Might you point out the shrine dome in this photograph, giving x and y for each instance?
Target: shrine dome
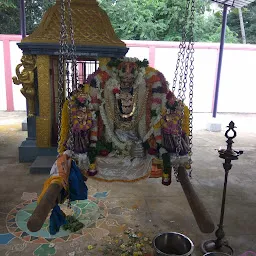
(93, 32)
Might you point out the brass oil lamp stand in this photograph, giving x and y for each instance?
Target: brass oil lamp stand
(220, 244)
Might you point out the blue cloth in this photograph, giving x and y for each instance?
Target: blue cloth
(57, 219)
(77, 188)
(77, 191)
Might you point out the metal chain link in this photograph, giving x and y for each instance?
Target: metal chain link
(182, 77)
(74, 74)
(68, 89)
(66, 54)
(182, 47)
(61, 62)
(186, 64)
(71, 135)
(191, 83)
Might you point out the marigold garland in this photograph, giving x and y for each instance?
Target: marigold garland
(103, 63)
(154, 79)
(149, 70)
(77, 127)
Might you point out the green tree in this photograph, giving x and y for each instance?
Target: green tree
(131, 19)
(10, 15)
(208, 29)
(34, 12)
(249, 15)
(148, 19)
(162, 20)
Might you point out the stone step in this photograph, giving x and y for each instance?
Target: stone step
(42, 164)
(24, 125)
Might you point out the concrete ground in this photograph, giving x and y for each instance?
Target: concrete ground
(145, 208)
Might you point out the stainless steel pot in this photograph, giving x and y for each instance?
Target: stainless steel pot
(216, 254)
(172, 244)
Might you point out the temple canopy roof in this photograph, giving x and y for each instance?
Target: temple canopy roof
(91, 25)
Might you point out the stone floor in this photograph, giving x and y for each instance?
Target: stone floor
(146, 207)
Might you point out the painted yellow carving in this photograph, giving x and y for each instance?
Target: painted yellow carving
(43, 122)
(43, 132)
(26, 78)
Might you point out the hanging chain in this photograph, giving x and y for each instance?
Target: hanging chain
(74, 80)
(182, 47)
(71, 58)
(191, 82)
(61, 65)
(186, 64)
(74, 74)
(68, 89)
(182, 77)
(66, 54)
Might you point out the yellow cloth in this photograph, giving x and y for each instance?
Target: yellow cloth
(64, 127)
(63, 166)
(185, 122)
(48, 182)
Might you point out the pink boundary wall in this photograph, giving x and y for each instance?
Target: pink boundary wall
(151, 45)
(6, 39)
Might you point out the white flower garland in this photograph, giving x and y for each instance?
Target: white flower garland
(120, 145)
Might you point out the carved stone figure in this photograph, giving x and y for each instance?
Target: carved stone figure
(26, 78)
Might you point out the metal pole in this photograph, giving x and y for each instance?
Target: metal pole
(222, 41)
(22, 19)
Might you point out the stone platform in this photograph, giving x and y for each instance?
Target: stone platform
(42, 164)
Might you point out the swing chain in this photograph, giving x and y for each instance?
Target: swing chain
(182, 47)
(74, 74)
(72, 58)
(63, 51)
(186, 64)
(65, 54)
(181, 91)
(191, 82)
(71, 135)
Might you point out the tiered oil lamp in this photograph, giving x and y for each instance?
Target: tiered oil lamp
(221, 244)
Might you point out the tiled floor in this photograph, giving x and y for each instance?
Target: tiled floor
(146, 206)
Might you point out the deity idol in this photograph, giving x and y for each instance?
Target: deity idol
(137, 115)
(123, 104)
